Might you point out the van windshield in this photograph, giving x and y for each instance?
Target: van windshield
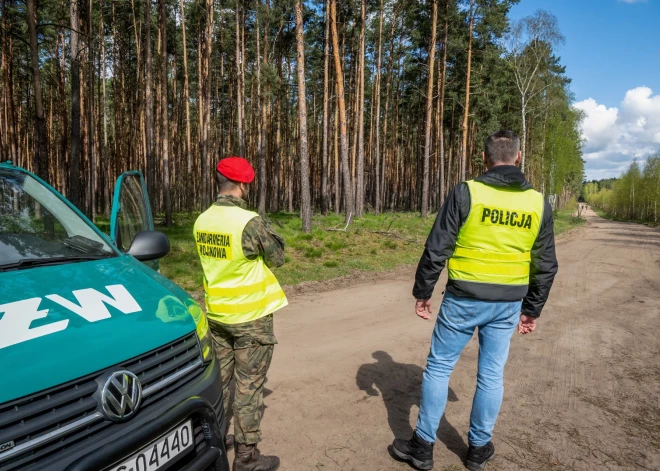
(38, 227)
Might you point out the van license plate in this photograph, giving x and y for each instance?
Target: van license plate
(164, 450)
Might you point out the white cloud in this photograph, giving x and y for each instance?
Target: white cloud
(633, 1)
(597, 125)
(615, 136)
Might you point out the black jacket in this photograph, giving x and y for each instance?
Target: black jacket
(442, 240)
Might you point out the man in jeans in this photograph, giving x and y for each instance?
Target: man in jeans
(495, 235)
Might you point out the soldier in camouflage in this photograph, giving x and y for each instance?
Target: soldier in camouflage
(244, 350)
(259, 239)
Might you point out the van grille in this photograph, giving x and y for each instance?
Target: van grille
(46, 423)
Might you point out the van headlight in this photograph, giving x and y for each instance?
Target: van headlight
(206, 343)
(203, 331)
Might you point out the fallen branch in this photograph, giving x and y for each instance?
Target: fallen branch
(350, 217)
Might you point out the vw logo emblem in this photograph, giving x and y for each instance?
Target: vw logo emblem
(121, 395)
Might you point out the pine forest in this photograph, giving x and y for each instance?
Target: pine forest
(341, 106)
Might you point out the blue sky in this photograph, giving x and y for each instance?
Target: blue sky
(612, 54)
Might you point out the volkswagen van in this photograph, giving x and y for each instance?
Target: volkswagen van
(105, 363)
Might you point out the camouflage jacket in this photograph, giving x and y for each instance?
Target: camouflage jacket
(258, 238)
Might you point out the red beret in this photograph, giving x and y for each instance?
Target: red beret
(236, 169)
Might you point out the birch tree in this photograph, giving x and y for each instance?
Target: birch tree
(529, 45)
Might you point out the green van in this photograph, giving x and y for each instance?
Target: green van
(106, 364)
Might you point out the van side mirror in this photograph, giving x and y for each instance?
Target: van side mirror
(149, 245)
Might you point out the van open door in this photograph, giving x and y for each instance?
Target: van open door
(131, 221)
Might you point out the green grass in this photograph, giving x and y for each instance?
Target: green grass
(328, 252)
(373, 243)
(566, 220)
(611, 217)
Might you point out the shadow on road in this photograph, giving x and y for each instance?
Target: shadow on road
(399, 385)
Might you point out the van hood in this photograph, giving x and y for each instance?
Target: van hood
(61, 322)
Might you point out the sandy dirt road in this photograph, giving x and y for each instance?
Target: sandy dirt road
(583, 392)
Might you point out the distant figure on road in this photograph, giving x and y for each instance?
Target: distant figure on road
(495, 234)
(237, 249)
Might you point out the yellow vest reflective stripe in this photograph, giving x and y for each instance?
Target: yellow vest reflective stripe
(494, 244)
(241, 290)
(246, 307)
(237, 289)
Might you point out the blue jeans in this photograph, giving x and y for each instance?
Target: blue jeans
(457, 320)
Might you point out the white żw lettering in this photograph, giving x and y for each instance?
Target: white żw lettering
(15, 323)
(17, 317)
(92, 304)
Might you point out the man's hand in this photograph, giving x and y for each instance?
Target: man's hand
(527, 324)
(423, 308)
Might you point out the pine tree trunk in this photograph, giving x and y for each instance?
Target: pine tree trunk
(207, 44)
(41, 133)
(278, 141)
(91, 156)
(63, 147)
(8, 88)
(149, 107)
(262, 103)
(429, 113)
(451, 149)
(336, 153)
(359, 193)
(305, 199)
(104, 107)
(441, 111)
(466, 109)
(261, 192)
(377, 200)
(343, 137)
(325, 194)
(200, 104)
(388, 87)
(186, 89)
(240, 84)
(164, 113)
(75, 195)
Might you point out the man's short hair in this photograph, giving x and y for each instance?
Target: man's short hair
(502, 147)
(224, 183)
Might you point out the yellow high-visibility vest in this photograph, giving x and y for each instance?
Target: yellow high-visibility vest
(494, 244)
(237, 289)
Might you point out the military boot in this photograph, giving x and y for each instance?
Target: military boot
(248, 458)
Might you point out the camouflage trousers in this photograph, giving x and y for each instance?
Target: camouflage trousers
(244, 352)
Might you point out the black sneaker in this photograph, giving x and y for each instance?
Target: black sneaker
(478, 456)
(415, 451)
